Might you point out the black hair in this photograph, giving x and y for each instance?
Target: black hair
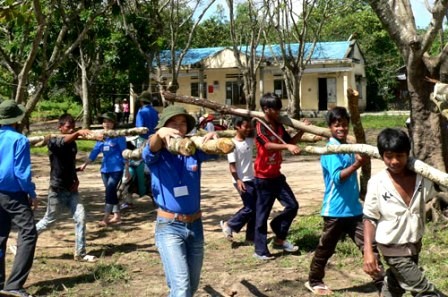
(270, 100)
(393, 140)
(65, 118)
(238, 121)
(337, 114)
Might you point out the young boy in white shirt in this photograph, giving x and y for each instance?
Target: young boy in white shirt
(241, 168)
(394, 216)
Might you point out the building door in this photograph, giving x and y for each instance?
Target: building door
(327, 93)
(234, 93)
(322, 105)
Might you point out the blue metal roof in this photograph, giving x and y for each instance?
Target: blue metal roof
(323, 51)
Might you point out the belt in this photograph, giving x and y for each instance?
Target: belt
(178, 216)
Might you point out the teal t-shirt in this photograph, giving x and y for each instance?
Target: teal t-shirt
(341, 198)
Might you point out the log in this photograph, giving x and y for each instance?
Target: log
(181, 146)
(188, 146)
(427, 171)
(366, 169)
(220, 146)
(306, 137)
(95, 135)
(226, 109)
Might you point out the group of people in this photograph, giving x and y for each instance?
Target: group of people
(391, 220)
(122, 111)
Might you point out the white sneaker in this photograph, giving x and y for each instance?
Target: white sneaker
(286, 246)
(226, 230)
(13, 249)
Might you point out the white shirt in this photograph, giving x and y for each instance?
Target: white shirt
(397, 223)
(242, 156)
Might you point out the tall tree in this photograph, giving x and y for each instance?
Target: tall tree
(246, 31)
(429, 132)
(357, 20)
(37, 37)
(184, 16)
(301, 25)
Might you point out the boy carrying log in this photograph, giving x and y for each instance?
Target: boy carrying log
(341, 208)
(394, 216)
(242, 171)
(271, 140)
(63, 189)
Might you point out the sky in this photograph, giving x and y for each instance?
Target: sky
(421, 14)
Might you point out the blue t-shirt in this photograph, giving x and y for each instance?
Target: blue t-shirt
(341, 198)
(176, 179)
(15, 162)
(147, 117)
(111, 148)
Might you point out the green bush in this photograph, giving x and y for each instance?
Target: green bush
(52, 109)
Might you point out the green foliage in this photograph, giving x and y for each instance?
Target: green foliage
(52, 109)
(357, 19)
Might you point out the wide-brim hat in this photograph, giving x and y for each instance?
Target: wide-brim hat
(145, 97)
(109, 116)
(11, 112)
(175, 110)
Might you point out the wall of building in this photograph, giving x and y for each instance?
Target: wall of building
(215, 80)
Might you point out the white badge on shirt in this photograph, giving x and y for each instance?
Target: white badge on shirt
(180, 191)
(106, 148)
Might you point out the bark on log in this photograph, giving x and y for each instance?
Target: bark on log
(188, 146)
(306, 137)
(353, 99)
(427, 171)
(225, 109)
(220, 146)
(182, 146)
(96, 135)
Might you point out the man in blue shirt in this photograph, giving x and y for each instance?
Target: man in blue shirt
(17, 194)
(147, 116)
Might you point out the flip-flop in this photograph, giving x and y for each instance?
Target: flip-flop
(320, 290)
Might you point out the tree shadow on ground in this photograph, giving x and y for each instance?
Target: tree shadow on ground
(212, 292)
(62, 284)
(364, 288)
(253, 289)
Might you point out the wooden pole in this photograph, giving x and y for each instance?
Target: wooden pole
(225, 109)
(95, 135)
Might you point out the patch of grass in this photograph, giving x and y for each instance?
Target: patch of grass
(305, 232)
(110, 272)
(373, 121)
(383, 121)
(434, 256)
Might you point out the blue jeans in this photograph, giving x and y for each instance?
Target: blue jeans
(70, 201)
(111, 181)
(181, 248)
(269, 189)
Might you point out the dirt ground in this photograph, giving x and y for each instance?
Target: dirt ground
(227, 267)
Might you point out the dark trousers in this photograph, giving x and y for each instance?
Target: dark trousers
(269, 189)
(405, 275)
(246, 215)
(15, 209)
(334, 229)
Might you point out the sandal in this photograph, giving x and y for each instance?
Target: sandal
(320, 290)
